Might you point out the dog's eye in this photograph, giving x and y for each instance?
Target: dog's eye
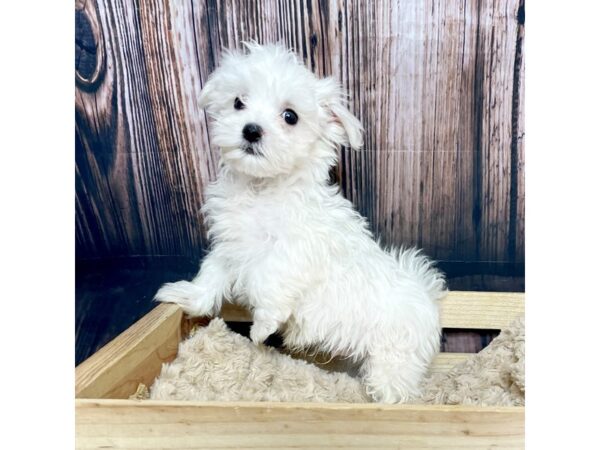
(290, 117)
(238, 104)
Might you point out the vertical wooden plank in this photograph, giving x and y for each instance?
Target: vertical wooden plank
(140, 163)
(496, 54)
(434, 83)
(518, 162)
(439, 149)
(440, 91)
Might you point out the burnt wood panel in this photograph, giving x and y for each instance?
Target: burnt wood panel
(438, 86)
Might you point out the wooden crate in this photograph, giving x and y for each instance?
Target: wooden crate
(106, 419)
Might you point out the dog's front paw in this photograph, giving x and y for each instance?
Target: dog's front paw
(260, 331)
(191, 297)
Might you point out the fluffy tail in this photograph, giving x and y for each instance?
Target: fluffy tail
(412, 262)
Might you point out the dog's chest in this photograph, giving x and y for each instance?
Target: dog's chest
(249, 224)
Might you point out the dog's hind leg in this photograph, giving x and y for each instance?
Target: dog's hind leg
(392, 377)
(265, 324)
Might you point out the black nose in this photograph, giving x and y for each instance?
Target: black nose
(252, 132)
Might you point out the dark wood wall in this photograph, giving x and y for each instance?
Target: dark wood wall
(437, 84)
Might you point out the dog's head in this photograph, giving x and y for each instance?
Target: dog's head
(271, 116)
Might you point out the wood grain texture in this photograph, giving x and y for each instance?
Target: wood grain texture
(438, 86)
(134, 357)
(459, 309)
(481, 310)
(126, 424)
(137, 354)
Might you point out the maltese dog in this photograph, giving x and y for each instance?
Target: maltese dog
(287, 245)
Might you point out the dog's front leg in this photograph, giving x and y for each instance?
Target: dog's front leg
(272, 299)
(266, 322)
(203, 295)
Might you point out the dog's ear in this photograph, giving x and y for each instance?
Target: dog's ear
(342, 127)
(213, 88)
(207, 94)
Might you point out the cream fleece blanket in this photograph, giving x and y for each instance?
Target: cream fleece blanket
(215, 363)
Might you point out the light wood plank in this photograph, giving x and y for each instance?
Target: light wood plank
(125, 424)
(481, 310)
(136, 355)
(235, 313)
(133, 357)
(460, 309)
(446, 361)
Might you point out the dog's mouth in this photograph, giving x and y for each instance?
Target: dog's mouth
(250, 149)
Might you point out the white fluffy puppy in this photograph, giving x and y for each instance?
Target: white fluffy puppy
(286, 244)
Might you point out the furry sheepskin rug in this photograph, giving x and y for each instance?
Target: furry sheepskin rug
(215, 363)
(493, 377)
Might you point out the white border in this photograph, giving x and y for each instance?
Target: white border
(37, 224)
(562, 222)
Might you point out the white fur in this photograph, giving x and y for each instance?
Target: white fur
(288, 245)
